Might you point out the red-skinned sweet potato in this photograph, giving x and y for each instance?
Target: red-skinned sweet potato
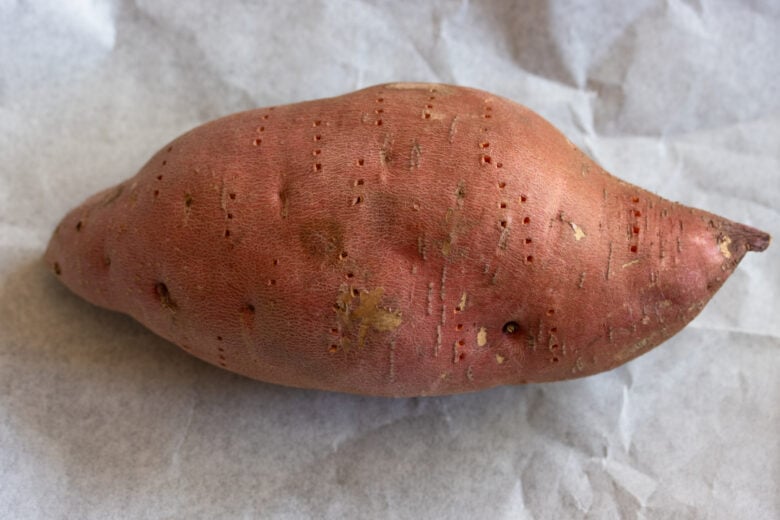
(402, 240)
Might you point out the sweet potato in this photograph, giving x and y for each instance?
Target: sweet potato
(401, 240)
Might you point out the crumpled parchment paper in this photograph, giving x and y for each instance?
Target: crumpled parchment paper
(101, 419)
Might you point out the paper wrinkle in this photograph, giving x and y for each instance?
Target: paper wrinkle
(733, 331)
(195, 55)
(625, 428)
(175, 456)
(92, 18)
(514, 506)
(577, 485)
(637, 483)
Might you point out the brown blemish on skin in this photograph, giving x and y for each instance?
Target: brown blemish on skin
(248, 310)
(323, 239)
(164, 296)
(284, 203)
(446, 247)
(460, 194)
(362, 310)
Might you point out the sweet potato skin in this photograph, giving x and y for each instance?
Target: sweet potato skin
(401, 240)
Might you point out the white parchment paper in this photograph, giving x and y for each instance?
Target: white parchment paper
(101, 419)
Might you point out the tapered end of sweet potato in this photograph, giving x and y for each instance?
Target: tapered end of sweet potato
(735, 240)
(746, 238)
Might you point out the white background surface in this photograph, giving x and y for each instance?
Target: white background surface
(101, 419)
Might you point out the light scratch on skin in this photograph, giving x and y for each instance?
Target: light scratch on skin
(629, 264)
(482, 337)
(679, 245)
(446, 246)
(222, 198)
(442, 293)
(392, 362)
(285, 210)
(421, 249)
(460, 194)
(443, 318)
(385, 154)
(609, 262)
(462, 304)
(661, 247)
(429, 310)
(188, 207)
(470, 373)
(581, 283)
(438, 341)
(533, 340)
(503, 238)
(415, 155)
(632, 350)
(579, 234)
(411, 85)
(452, 129)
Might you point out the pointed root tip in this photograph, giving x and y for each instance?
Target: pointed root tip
(752, 238)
